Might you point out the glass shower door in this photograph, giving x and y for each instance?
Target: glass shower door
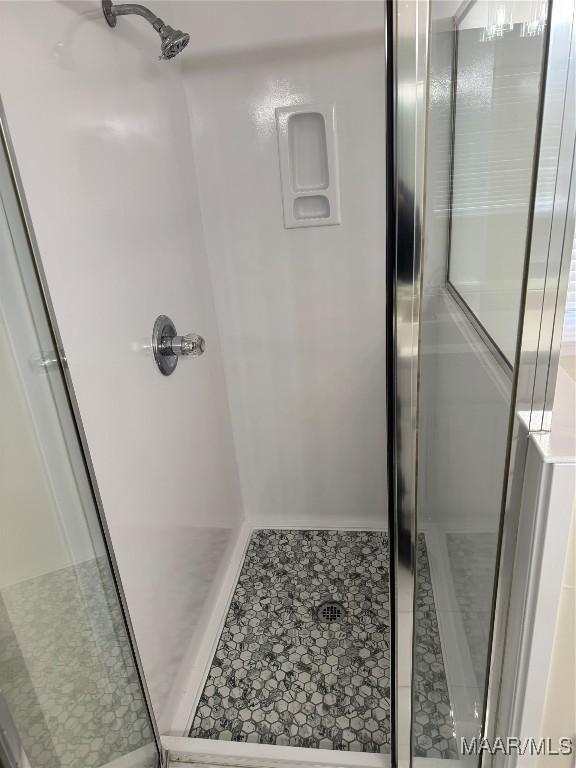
(493, 173)
(71, 693)
(478, 210)
(481, 152)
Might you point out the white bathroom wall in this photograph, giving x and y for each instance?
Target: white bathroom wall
(101, 134)
(559, 717)
(537, 697)
(559, 710)
(301, 311)
(231, 27)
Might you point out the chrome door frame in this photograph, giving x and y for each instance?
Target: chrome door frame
(67, 403)
(407, 45)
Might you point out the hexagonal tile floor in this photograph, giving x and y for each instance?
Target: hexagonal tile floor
(66, 670)
(282, 676)
(472, 558)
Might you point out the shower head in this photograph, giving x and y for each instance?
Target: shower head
(172, 40)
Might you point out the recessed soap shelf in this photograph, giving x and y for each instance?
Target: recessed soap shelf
(311, 207)
(308, 165)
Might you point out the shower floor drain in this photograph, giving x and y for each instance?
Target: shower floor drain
(330, 611)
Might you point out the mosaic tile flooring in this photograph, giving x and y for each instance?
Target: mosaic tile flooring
(66, 670)
(279, 676)
(472, 558)
(433, 728)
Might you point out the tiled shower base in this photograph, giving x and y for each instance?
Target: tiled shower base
(281, 676)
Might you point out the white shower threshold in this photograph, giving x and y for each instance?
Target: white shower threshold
(182, 750)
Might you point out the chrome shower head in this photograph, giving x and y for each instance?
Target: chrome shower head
(172, 40)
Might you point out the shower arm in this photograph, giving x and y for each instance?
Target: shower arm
(125, 9)
(172, 40)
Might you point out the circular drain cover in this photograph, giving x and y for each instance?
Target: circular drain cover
(330, 611)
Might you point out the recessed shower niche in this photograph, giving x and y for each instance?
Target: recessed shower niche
(308, 164)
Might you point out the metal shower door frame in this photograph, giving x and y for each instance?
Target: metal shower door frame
(64, 395)
(407, 46)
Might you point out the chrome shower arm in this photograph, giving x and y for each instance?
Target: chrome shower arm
(125, 9)
(173, 40)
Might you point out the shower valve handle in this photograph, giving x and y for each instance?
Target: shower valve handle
(168, 346)
(191, 344)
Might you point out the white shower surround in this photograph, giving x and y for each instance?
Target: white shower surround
(301, 313)
(101, 135)
(183, 472)
(298, 407)
(129, 223)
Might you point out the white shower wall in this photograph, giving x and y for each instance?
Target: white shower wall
(301, 311)
(101, 135)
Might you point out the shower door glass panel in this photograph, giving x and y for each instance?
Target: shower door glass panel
(70, 694)
(497, 81)
(468, 339)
